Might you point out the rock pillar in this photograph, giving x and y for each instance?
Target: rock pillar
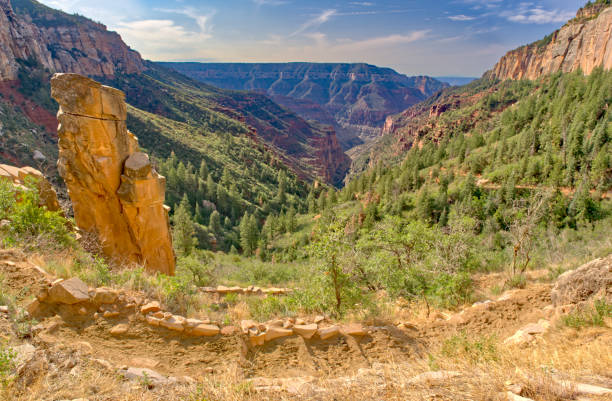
(115, 192)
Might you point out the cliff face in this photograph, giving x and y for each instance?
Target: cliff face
(358, 96)
(583, 43)
(60, 42)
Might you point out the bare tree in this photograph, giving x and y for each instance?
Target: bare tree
(528, 213)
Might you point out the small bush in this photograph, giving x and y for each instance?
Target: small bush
(517, 281)
(32, 225)
(593, 316)
(474, 349)
(7, 364)
(262, 309)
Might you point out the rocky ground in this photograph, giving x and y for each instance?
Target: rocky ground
(82, 343)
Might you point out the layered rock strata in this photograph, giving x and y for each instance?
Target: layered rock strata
(60, 42)
(582, 43)
(115, 192)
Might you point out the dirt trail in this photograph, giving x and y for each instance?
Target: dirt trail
(182, 355)
(85, 333)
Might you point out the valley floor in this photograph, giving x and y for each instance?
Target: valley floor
(69, 353)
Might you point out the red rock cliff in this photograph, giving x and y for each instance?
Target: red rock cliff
(583, 43)
(60, 42)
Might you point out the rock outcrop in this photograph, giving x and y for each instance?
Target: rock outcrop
(583, 43)
(115, 192)
(589, 282)
(60, 42)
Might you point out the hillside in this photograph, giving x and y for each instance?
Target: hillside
(358, 96)
(38, 40)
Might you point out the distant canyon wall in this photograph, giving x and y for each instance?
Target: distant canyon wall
(358, 97)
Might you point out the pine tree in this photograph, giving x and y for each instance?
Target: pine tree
(282, 188)
(203, 172)
(290, 220)
(183, 229)
(214, 224)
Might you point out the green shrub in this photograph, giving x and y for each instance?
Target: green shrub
(33, 226)
(262, 309)
(7, 363)
(592, 316)
(462, 346)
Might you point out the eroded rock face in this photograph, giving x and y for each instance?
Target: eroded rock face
(591, 281)
(61, 43)
(582, 43)
(115, 192)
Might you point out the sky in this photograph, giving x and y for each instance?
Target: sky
(414, 37)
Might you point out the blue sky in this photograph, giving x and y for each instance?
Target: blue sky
(434, 37)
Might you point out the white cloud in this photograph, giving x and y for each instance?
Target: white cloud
(461, 17)
(160, 38)
(528, 14)
(382, 41)
(362, 3)
(316, 21)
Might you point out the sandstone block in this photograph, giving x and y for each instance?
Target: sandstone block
(353, 329)
(151, 307)
(153, 321)
(207, 330)
(328, 332)
(119, 329)
(245, 325)
(173, 323)
(69, 292)
(305, 330)
(257, 339)
(105, 296)
(274, 332)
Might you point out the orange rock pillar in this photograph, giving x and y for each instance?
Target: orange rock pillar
(115, 192)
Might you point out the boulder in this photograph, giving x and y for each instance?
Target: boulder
(274, 332)
(105, 296)
(519, 338)
(353, 329)
(69, 292)
(328, 332)
(256, 338)
(245, 325)
(151, 307)
(144, 375)
(305, 330)
(115, 192)
(173, 323)
(206, 330)
(119, 329)
(589, 281)
(153, 321)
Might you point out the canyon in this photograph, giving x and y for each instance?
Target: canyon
(353, 98)
(36, 41)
